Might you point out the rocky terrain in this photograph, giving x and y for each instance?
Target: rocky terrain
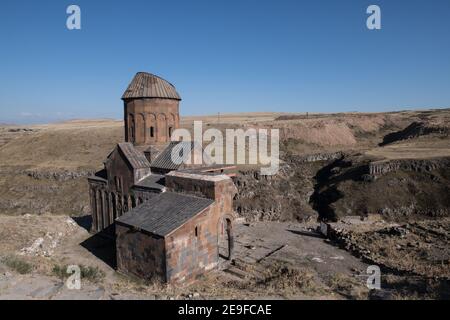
(395, 165)
(414, 256)
(283, 197)
(342, 179)
(415, 130)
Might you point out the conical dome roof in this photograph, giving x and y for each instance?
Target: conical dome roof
(147, 85)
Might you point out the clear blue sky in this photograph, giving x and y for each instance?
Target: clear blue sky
(223, 56)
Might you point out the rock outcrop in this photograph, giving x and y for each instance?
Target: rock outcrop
(418, 165)
(397, 189)
(281, 197)
(415, 130)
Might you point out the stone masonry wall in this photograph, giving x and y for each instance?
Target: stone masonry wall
(219, 188)
(189, 254)
(140, 253)
(192, 249)
(150, 120)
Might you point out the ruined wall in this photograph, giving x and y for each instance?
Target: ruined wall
(140, 253)
(150, 120)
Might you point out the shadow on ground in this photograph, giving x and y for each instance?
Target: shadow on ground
(102, 245)
(84, 221)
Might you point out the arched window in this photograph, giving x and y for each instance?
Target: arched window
(118, 182)
(152, 132)
(170, 132)
(132, 127)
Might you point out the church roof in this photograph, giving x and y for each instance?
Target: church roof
(164, 159)
(147, 85)
(164, 213)
(153, 181)
(135, 158)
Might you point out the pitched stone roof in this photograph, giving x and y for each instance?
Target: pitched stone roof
(147, 85)
(164, 159)
(153, 181)
(164, 213)
(134, 157)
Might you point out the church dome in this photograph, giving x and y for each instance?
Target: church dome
(147, 85)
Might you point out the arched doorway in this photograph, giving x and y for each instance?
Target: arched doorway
(225, 239)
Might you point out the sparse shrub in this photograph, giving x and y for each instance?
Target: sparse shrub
(92, 274)
(60, 271)
(348, 286)
(18, 264)
(290, 280)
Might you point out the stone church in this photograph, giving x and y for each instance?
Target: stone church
(170, 222)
